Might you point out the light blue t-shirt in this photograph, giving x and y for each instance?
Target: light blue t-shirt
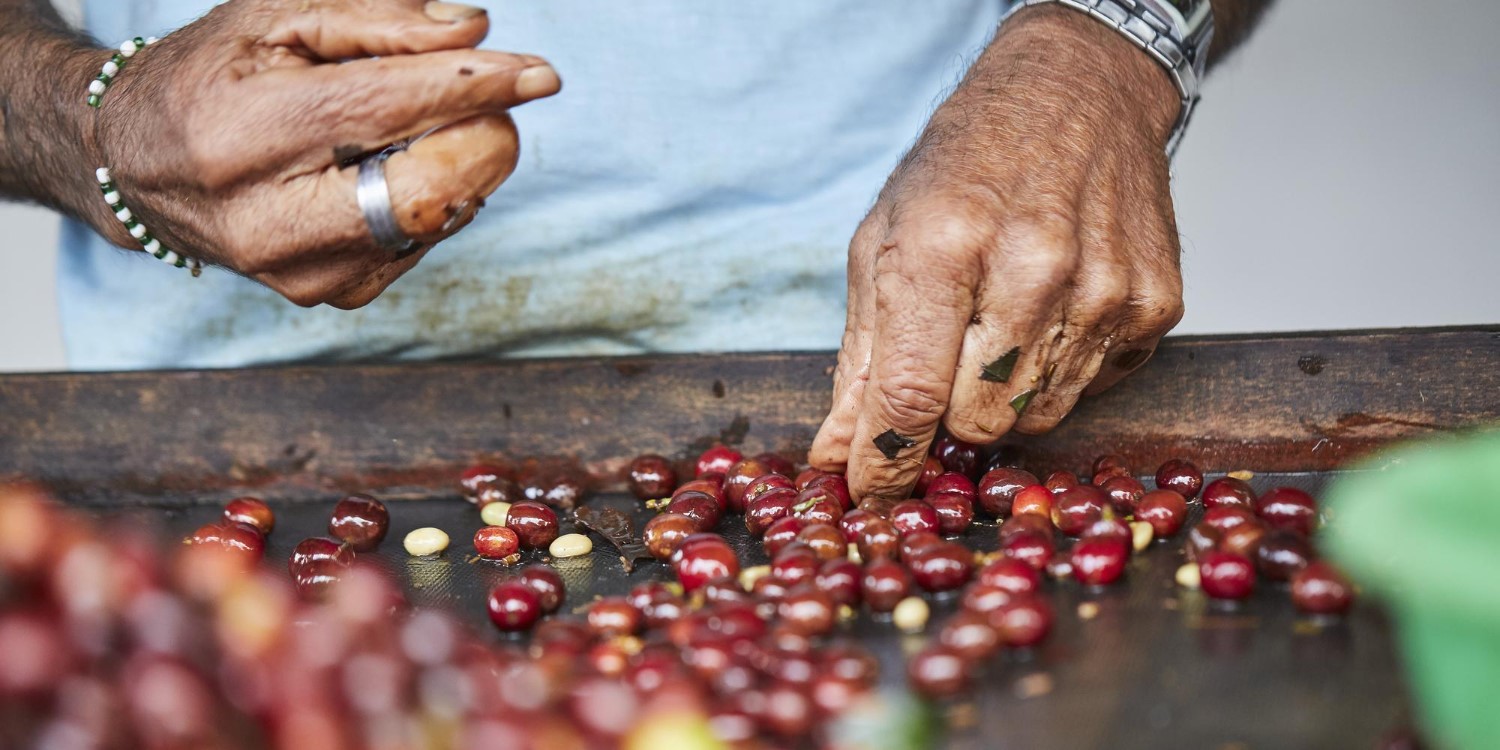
(693, 188)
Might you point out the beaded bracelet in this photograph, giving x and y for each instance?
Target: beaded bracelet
(138, 230)
(150, 244)
(112, 68)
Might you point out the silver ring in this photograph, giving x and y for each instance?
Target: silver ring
(374, 196)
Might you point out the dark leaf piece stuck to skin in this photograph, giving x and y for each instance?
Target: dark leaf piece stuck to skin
(1022, 400)
(999, 371)
(890, 444)
(617, 528)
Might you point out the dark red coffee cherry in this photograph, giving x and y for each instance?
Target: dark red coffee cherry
(1099, 561)
(496, 542)
(1023, 621)
(932, 468)
(1282, 554)
(971, 635)
(1226, 517)
(719, 458)
(1288, 508)
(840, 579)
(319, 548)
(1075, 508)
(951, 482)
(818, 504)
(795, 564)
(955, 511)
(1180, 476)
(938, 672)
(885, 582)
(1035, 500)
(782, 533)
(999, 487)
(239, 538)
(917, 540)
(513, 606)
(910, 516)
(807, 610)
(1124, 493)
(360, 521)
(1201, 540)
(941, 567)
(853, 524)
(1060, 480)
(534, 523)
(1225, 575)
(651, 477)
(546, 584)
(613, 616)
(738, 479)
(762, 485)
(984, 597)
(879, 538)
(836, 485)
(774, 462)
(1165, 510)
(1009, 575)
(1229, 491)
(663, 533)
(474, 479)
(1029, 548)
(956, 455)
(1110, 462)
(768, 508)
(250, 511)
(1319, 589)
(701, 558)
(699, 506)
(1244, 540)
(826, 541)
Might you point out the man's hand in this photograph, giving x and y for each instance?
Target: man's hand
(1023, 253)
(233, 137)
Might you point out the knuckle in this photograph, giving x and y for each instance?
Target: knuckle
(1158, 315)
(303, 295)
(926, 235)
(911, 402)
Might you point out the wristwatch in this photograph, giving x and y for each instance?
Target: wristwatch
(1174, 32)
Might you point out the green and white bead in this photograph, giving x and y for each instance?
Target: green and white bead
(112, 67)
(138, 230)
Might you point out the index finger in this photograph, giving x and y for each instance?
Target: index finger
(923, 301)
(329, 112)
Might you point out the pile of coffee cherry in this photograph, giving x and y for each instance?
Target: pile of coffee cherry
(104, 641)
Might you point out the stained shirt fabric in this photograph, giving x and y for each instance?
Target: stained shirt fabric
(692, 188)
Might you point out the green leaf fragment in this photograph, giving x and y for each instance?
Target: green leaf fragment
(890, 444)
(1022, 400)
(1000, 370)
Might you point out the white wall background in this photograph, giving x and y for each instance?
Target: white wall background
(1343, 172)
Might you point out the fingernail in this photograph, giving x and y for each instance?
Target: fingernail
(450, 12)
(1131, 359)
(537, 81)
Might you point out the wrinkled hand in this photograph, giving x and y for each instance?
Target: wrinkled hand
(231, 138)
(1023, 253)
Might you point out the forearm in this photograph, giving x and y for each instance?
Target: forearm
(1233, 22)
(45, 133)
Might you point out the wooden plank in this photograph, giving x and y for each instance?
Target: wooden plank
(1273, 403)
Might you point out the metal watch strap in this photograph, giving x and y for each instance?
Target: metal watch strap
(1176, 40)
